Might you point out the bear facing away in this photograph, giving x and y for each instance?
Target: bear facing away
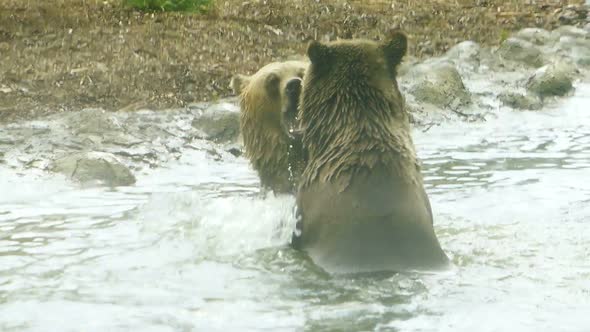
(361, 199)
(265, 97)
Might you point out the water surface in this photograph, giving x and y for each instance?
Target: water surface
(192, 247)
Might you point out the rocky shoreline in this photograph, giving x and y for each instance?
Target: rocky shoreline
(68, 55)
(529, 70)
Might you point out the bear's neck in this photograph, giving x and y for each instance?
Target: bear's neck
(355, 131)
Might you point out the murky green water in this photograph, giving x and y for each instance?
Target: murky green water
(192, 248)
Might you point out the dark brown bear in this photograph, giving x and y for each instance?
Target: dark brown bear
(361, 199)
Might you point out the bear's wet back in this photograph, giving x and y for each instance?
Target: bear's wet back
(361, 200)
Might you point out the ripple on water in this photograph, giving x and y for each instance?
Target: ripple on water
(192, 246)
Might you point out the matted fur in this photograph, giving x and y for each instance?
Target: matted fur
(350, 125)
(262, 98)
(361, 199)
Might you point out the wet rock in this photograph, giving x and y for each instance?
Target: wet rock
(234, 149)
(552, 80)
(94, 167)
(212, 152)
(537, 36)
(219, 122)
(520, 101)
(438, 83)
(466, 53)
(93, 121)
(407, 64)
(576, 49)
(425, 115)
(571, 31)
(521, 51)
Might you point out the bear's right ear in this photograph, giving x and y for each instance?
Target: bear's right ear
(238, 83)
(395, 47)
(317, 52)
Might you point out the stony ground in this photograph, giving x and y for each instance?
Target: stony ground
(61, 55)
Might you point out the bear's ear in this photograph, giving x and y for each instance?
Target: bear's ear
(317, 52)
(238, 83)
(272, 82)
(395, 47)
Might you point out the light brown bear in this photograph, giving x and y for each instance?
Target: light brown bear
(361, 199)
(266, 99)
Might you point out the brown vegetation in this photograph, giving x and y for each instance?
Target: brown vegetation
(69, 54)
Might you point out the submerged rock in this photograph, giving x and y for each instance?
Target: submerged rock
(219, 122)
(438, 83)
(234, 149)
(520, 101)
(552, 80)
(521, 51)
(537, 36)
(94, 167)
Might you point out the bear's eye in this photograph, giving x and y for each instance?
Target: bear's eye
(272, 84)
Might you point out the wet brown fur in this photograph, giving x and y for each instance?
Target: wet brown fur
(361, 198)
(262, 98)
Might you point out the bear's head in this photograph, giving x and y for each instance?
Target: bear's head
(351, 110)
(354, 71)
(268, 105)
(273, 90)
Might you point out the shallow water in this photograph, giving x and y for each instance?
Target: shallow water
(191, 247)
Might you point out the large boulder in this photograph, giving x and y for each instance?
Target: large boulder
(219, 122)
(94, 168)
(552, 80)
(537, 36)
(438, 83)
(465, 54)
(521, 51)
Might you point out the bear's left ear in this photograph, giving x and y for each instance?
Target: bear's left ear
(395, 47)
(238, 83)
(271, 83)
(317, 52)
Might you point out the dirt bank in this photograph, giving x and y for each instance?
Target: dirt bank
(62, 55)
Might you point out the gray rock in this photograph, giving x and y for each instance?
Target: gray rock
(577, 49)
(93, 121)
(94, 168)
(234, 149)
(537, 36)
(466, 54)
(571, 31)
(552, 80)
(520, 101)
(407, 64)
(219, 122)
(438, 83)
(521, 51)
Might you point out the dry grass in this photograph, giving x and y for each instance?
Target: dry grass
(68, 54)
